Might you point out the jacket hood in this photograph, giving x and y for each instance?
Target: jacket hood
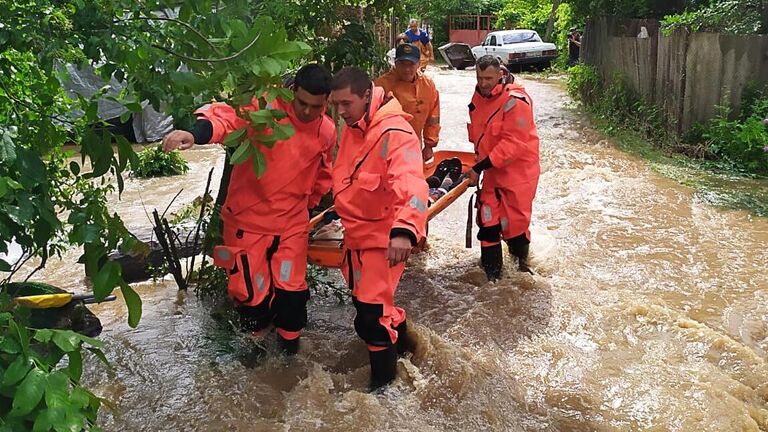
(381, 107)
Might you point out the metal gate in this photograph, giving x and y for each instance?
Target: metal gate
(469, 29)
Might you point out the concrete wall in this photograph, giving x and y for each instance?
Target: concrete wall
(686, 74)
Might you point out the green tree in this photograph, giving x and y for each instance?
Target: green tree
(175, 54)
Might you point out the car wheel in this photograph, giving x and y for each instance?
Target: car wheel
(546, 64)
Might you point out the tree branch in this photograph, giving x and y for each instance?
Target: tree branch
(213, 60)
(30, 106)
(173, 20)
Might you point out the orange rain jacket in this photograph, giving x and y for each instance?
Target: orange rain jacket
(378, 177)
(298, 171)
(421, 100)
(503, 131)
(502, 128)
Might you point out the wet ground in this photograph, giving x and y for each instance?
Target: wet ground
(649, 312)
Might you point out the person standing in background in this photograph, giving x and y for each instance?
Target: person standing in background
(420, 38)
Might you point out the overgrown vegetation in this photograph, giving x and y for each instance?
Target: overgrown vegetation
(740, 144)
(39, 391)
(176, 55)
(726, 16)
(356, 46)
(616, 104)
(154, 162)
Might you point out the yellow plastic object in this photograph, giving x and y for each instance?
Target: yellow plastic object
(44, 301)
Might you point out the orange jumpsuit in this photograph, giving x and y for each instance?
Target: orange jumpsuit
(379, 192)
(503, 130)
(266, 219)
(421, 100)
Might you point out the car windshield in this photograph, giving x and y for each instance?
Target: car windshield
(514, 38)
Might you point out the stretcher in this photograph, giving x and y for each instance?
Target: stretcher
(328, 252)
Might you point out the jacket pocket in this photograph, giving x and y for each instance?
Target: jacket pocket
(235, 261)
(471, 133)
(369, 197)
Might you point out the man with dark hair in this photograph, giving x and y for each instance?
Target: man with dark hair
(507, 147)
(266, 218)
(417, 94)
(381, 196)
(574, 46)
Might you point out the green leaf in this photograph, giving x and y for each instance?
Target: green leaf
(271, 66)
(282, 132)
(29, 393)
(46, 418)
(234, 137)
(3, 186)
(100, 355)
(80, 398)
(106, 279)
(75, 368)
(7, 147)
(16, 371)
(43, 335)
(260, 117)
(9, 345)
(4, 266)
(22, 334)
(241, 154)
(57, 390)
(259, 163)
(89, 233)
(66, 340)
(133, 301)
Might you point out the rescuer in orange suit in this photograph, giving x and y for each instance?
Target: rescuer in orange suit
(417, 94)
(381, 197)
(507, 148)
(266, 219)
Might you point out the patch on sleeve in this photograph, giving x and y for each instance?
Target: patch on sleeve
(418, 204)
(510, 104)
(385, 147)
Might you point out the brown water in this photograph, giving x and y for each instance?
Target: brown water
(650, 312)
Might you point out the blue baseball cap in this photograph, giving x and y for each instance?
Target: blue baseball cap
(408, 52)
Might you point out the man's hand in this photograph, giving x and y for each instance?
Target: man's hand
(178, 139)
(399, 250)
(474, 177)
(427, 153)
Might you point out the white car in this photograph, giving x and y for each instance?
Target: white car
(514, 47)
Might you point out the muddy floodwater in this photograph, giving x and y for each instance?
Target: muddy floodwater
(649, 312)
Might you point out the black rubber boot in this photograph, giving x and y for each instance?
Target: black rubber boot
(383, 367)
(254, 318)
(491, 260)
(288, 346)
(519, 248)
(404, 344)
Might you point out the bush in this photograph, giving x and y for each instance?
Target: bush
(38, 390)
(154, 162)
(584, 83)
(740, 143)
(616, 103)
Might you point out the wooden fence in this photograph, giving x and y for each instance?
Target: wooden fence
(686, 74)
